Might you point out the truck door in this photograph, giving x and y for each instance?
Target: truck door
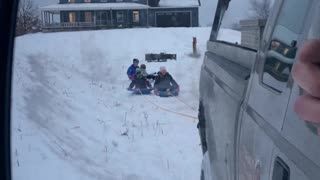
(267, 98)
(303, 138)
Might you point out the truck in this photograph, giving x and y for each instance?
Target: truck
(247, 124)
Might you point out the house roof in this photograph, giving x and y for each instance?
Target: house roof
(93, 6)
(178, 3)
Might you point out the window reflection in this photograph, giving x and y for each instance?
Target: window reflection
(283, 46)
(278, 64)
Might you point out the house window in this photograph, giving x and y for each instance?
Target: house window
(136, 17)
(120, 17)
(102, 18)
(88, 16)
(71, 1)
(87, 1)
(72, 17)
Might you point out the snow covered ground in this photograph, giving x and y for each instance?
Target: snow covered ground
(74, 119)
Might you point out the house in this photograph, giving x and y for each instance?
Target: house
(103, 14)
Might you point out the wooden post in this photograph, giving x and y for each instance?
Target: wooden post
(127, 17)
(94, 18)
(194, 45)
(111, 18)
(45, 17)
(42, 24)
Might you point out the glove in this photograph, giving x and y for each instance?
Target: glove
(129, 89)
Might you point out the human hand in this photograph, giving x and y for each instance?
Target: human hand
(306, 74)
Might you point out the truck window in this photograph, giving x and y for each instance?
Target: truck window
(244, 23)
(280, 170)
(283, 45)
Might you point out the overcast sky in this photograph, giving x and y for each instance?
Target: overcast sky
(237, 10)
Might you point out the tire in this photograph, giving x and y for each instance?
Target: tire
(202, 175)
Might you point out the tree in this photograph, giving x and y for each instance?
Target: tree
(27, 18)
(260, 9)
(235, 26)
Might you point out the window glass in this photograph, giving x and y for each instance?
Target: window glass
(136, 16)
(280, 170)
(120, 16)
(72, 17)
(282, 50)
(102, 18)
(88, 16)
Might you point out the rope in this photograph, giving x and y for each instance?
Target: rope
(192, 108)
(164, 109)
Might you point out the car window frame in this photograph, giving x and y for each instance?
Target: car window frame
(8, 13)
(267, 45)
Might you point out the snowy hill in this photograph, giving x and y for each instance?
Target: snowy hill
(74, 119)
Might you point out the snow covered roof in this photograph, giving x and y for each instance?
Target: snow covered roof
(178, 3)
(93, 6)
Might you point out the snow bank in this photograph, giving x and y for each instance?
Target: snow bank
(229, 35)
(178, 3)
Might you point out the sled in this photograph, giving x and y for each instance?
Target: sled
(167, 94)
(162, 57)
(141, 91)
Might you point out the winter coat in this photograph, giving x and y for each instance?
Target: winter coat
(165, 82)
(140, 82)
(148, 76)
(131, 72)
(144, 72)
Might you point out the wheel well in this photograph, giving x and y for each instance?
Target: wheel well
(202, 127)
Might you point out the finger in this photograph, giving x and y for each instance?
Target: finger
(310, 52)
(308, 108)
(307, 76)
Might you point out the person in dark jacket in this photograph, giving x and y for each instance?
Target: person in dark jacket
(131, 72)
(165, 85)
(140, 85)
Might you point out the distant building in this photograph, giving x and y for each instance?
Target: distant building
(104, 14)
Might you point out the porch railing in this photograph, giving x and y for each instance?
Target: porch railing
(98, 23)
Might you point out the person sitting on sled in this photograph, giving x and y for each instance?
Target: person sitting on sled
(165, 85)
(131, 72)
(140, 85)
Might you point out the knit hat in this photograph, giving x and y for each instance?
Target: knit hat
(135, 61)
(143, 66)
(163, 68)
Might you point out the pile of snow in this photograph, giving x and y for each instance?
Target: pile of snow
(177, 3)
(229, 35)
(72, 117)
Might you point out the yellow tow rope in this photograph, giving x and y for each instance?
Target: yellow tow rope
(164, 109)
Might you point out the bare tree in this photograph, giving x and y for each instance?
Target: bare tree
(260, 9)
(27, 18)
(235, 26)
